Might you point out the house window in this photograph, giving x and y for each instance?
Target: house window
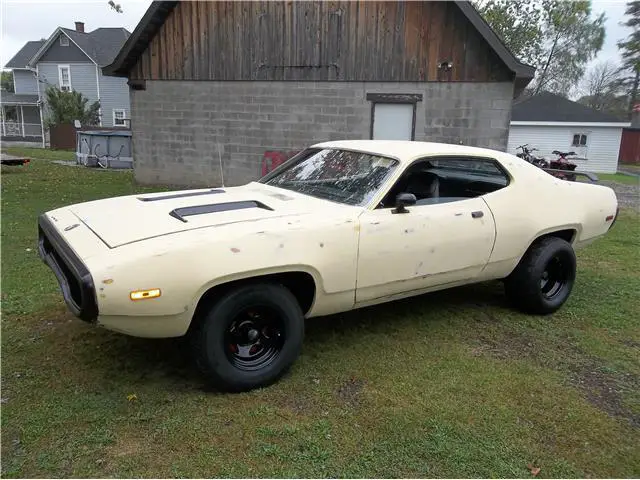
(64, 77)
(118, 117)
(393, 116)
(579, 140)
(64, 40)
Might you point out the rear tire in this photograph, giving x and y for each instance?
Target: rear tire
(544, 278)
(248, 338)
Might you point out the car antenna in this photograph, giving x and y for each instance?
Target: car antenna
(221, 172)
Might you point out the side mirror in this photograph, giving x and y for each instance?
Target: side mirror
(404, 200)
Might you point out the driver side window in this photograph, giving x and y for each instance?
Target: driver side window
(447, 179)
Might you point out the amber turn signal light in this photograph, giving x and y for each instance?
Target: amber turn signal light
(145, 294)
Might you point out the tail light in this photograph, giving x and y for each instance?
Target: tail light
(615, 217)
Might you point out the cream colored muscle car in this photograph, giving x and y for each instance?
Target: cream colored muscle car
(339, 226)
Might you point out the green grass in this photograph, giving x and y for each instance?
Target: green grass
(619, 177)
(40, 153)
(452, 384)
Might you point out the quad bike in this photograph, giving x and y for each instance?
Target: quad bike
(561, 163)
(555, 167)
(529, 157)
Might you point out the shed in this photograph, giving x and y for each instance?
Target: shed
(226, 83)
(551, 122)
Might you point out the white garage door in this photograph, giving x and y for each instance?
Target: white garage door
(392, 121)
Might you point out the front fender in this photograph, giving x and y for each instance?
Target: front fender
(185, 266)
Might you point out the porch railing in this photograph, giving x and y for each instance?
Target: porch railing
(18, 129)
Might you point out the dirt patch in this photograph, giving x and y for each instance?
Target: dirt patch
(506, 347)
(605, 391)
(630, 343)
(600, 388)
(125, 447)
(350, 392)
(298, 404)
(628, 195)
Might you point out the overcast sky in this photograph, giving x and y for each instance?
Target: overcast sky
(24, 20)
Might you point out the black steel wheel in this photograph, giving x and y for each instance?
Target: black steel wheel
(249, 337)
(544, 277)
(554, 277)
(254, 338)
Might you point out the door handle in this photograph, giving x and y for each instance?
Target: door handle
(477, 214)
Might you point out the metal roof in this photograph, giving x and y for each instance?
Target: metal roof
(407, 150)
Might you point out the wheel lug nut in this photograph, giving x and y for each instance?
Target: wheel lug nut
(253, 334)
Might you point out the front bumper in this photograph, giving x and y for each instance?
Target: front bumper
(76, 283)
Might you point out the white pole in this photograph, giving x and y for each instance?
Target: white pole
(22, 119)
(41, 125)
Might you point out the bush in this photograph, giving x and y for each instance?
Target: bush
(65, 107)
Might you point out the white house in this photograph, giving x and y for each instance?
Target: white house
(550, 122)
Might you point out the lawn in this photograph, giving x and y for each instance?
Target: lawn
(619, 177)
(41, 153)
(451, 384)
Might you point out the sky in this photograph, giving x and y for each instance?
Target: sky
(23, 20)
(614, 10)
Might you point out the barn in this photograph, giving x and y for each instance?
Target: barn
(551, 122)
(217, 87)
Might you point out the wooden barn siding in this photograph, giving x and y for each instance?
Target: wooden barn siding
(323, 40)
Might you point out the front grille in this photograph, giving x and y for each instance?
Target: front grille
(73, 276)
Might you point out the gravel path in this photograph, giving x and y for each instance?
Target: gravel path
(628, 195)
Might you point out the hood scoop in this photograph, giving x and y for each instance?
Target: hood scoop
(182, 212)
(180, 195)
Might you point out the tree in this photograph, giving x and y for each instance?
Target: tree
(115, 6)
(557, 37)
(572, 40)
(66, 106)
(630, 52)
(601, 89)
(7, 81)
(518, 23)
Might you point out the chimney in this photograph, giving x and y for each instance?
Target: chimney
(80, 27)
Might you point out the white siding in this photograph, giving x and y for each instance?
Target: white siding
(600, 155)
(25, 82)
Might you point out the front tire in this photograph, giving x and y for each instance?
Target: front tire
(249, 338)
(544, 278)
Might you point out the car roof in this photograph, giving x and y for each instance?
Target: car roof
(405, 150)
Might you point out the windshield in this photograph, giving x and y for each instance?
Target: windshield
(337, 175)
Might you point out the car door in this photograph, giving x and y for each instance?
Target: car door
(439, 241)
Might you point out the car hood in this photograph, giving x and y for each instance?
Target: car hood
(122, 220)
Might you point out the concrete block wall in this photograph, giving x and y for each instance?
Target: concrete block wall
(182, 129)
